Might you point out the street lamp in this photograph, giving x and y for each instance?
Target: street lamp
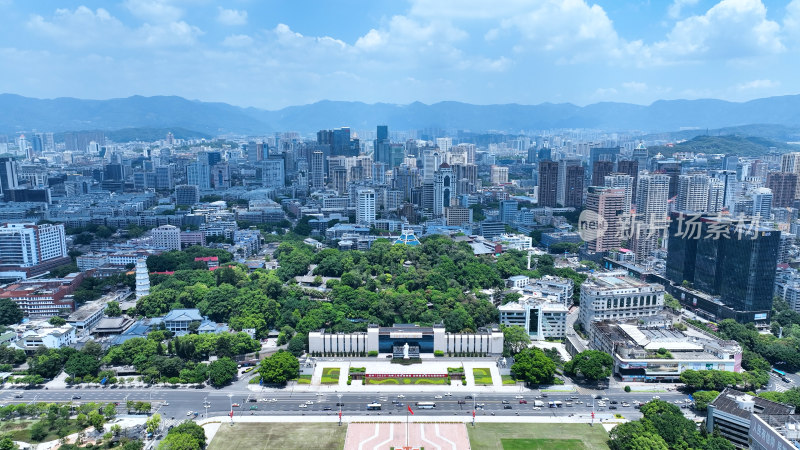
(340, 408)
(230, 397)
(206, 404)
(474, 399)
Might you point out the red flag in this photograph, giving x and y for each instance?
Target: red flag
(473, 413)
(231, 414)
(592, 414)
(409, 410)
(340, 414)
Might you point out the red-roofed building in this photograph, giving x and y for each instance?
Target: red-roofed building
(211, 261)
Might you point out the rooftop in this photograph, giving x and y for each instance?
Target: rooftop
(737, 403)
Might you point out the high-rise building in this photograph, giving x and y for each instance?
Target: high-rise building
(317, 170)
(572, 188)
(608, 205)
(733, 259)
(630, 167)
(164, 178)
(444, 144)
(790, 162)
(339, 179)
(8, 174)
(548, 183)
(600, 171)
(499, 175)
(602, 154)
(272, 173)
(443, 189)
(716, 195)
(167, 236)
(624, 182)
(365, 208)
(563, 184)
(199, 174)
(651, 204)
(692, 193)
(762, 202)
(220, 176)
(186, 195)
(508, 211)
(783, 186)
(431, 160)
(27, 245)
(731, 184)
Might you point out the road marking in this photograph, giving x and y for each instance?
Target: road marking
(444, 438)
(422, 435)
(377, 432)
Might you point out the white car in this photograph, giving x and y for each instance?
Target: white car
(537, 408)
(273, 399)
(448, 394)
(401, 396)
(303, 405)
(605, 399)
(518, 396)
(189, 413)
(309, 402)
(165, 404)
(687, 401)
(677, 402)
(437, 396)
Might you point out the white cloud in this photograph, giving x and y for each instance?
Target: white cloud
(605, 92)
(674, 10)
(231, 17)
(635, 86)
(79, 28)
(237, 40)
(731, 29)
(154, 10)
(757, 84)
(99, 29)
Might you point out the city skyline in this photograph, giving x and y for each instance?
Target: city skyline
(523, 52)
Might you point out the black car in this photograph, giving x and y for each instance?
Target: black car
(507, 407)
(612, 407)
(76, 397)
(544, 395)
(327, 408)
(468, 397)
(613, 402)
(461, 402)
(340, 404)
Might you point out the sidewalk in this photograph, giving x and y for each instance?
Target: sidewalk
(466, 418)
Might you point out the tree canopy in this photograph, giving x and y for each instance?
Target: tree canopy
(593, 365)
(279, 368)
(533, 366)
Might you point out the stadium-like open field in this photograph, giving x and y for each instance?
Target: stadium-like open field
(515, 436)
(286, 436)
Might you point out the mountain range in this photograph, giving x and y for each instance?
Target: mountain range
(779, 115)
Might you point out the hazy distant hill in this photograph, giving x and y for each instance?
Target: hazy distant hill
(730, 145)
(779, 116)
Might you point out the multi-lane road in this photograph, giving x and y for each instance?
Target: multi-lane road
(178, 403)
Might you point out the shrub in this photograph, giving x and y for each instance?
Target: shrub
(627, 388)
(372, 353)
(438, 353)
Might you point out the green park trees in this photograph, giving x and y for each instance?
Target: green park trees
(533, 366)
(593, 365)
(279, 368)
(186, 436)
(9, 312)
(515, 338)
(221, 372)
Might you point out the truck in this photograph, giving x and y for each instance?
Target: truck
(538, 403)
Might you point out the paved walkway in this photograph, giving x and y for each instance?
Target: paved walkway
(465, 418)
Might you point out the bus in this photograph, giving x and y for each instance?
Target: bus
(374, 407)
(426, 405)
(780, 373)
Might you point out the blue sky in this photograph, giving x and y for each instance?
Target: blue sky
(272, 54)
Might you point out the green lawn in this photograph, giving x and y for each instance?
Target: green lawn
(513, 436)
(20, 430)
(330, 375)
(304, 379)
(407, 381)
(483, 377)
(508, 380)
(264, 436)
(542, 444)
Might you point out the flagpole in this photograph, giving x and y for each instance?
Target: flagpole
(407, 426)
